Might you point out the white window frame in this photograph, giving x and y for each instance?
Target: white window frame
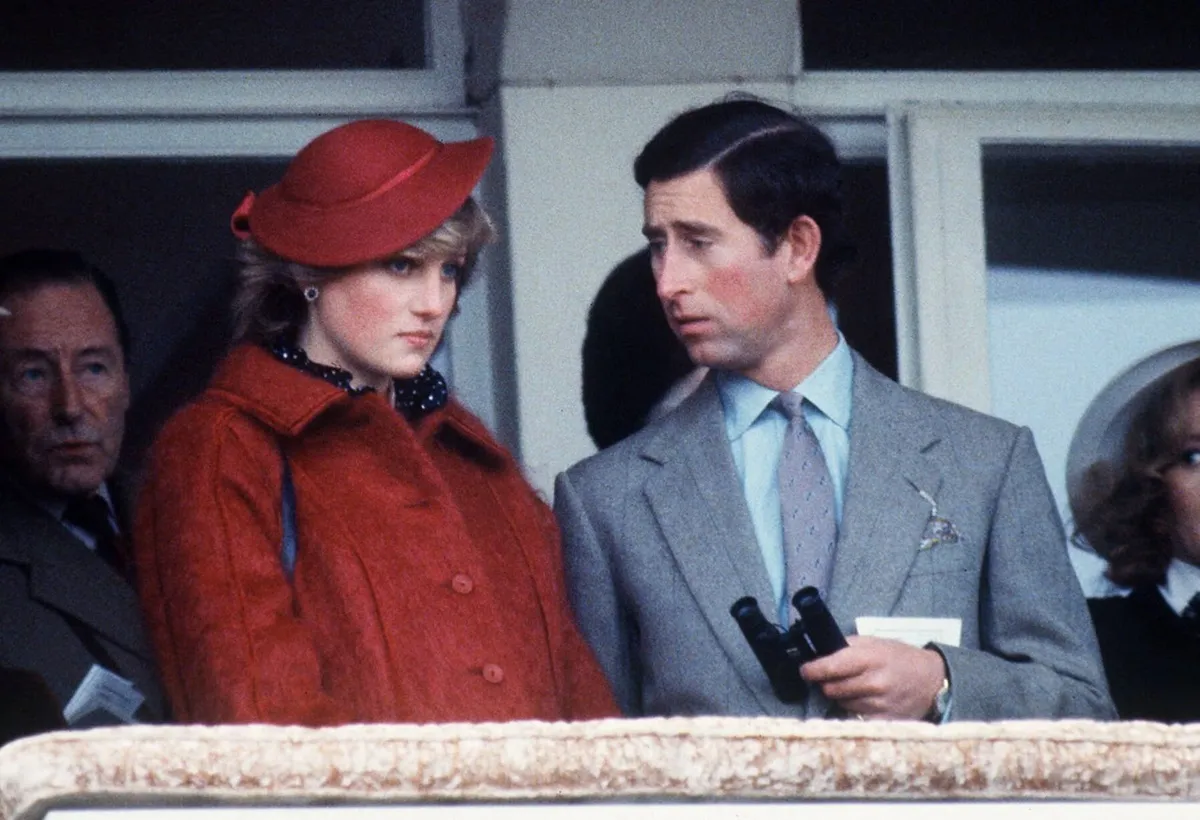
(437, 90)
(945, 319)
(937, 123)
(267, 114)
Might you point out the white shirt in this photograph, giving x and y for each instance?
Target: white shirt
(1181, 583)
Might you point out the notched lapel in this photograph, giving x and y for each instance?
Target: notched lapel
(884, 516)
(66, 575)
(698, 503)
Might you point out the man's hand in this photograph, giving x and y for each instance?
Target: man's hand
(879, 678)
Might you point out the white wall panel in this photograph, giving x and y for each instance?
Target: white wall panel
(644, 42)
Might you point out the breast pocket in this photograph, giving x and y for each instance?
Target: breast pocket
(942, 550)
(941, 581)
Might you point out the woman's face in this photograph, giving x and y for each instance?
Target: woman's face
(383, 320)
(1182, 477)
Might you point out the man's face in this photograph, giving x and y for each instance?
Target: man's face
(63, 388)
(726, 298)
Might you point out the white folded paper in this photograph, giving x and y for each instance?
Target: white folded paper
(915, 631)
(102, 691)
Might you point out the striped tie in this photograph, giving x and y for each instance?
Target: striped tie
(91, 514)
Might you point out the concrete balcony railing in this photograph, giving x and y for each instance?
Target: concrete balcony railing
(636, 761)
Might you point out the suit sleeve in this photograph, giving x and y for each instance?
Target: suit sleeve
(207, 540)
(594, 595)
(1039, 654)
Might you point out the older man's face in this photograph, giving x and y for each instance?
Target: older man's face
(63, 388)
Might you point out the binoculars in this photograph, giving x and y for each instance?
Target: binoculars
(781, 652)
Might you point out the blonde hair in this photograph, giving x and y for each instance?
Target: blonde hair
(269, 304)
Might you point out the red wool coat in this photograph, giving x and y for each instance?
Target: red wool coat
(428, 581)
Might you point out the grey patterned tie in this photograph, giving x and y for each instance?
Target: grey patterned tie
(806, 502)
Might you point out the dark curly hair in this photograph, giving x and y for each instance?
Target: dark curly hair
(630, 356)
(1126, 513)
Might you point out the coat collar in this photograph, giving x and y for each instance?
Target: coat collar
(282, 397)
(287, 400)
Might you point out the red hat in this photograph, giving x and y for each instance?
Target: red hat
(362, 191)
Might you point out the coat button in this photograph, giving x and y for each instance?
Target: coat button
(492, 673)
(462, 584)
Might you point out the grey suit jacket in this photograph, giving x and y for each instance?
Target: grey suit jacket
(658, 544)
(52, 590)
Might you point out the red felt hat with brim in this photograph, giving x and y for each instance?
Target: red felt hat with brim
(363, 191)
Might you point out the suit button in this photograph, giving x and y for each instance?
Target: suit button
(462, 584)
(492, 673)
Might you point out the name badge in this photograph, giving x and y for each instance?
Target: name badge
(102, 691)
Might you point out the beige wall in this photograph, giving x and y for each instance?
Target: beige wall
(648, 42)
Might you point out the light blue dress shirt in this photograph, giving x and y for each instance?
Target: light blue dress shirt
(756, 429)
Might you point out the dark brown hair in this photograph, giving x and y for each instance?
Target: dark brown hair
(773, 164)
(33, 268)
(1126, 514)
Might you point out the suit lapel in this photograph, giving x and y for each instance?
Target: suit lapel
(65, 575)
(698, 503)
(884, 515)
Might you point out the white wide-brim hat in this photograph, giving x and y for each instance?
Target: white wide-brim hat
(1100, 435)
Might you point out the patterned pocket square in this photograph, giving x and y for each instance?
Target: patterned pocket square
(938, 530)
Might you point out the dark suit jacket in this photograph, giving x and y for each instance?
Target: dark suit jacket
(1151, 658)
(58, 601)
(658, 544)
(27, 706)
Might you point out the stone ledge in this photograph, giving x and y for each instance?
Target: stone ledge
(668, 759)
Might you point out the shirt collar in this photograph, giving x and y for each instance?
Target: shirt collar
(56, 505)
(1181, 583)
(828, 388)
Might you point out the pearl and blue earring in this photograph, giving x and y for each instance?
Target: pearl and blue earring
(311, 293)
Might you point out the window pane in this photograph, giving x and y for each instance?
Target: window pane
(1093, 263)
(160, 228)
(1020, 35)
(1100, 209)
(144, 35)
(865, 297)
